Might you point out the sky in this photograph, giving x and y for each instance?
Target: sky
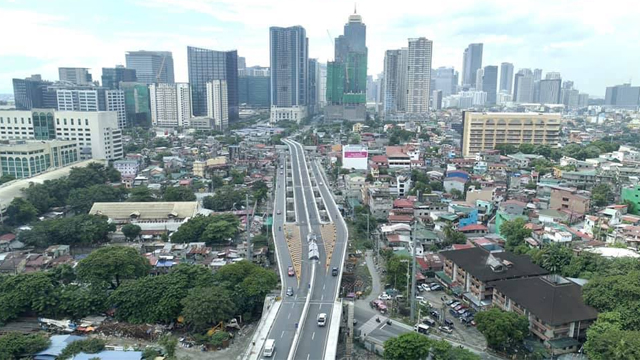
(593, 43)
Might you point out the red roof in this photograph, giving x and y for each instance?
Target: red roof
(400, 218)
(402, 203)
(462, 246)
(7, 237)
(379, 159)
(473, 227)
(423, 264)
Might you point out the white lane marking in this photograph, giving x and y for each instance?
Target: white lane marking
(308, 356)
(322, 297)
(382, 327)
(313, 335)
(281, 335)
(289, 317)
(324, 286)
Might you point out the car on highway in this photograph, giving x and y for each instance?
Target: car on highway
(320, 184)
(445, 329)
(290, 271)
(322, 319)
(281, 172)
(281, 166)
(289, 291)
(334, 271)
(279, 212)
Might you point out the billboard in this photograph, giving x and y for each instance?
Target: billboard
(355, 154)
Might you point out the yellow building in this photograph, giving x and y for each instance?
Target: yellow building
(198, 168)
(483, 131)
(218, 160)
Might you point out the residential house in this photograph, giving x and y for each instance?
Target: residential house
(451, 183)
(554, 306)
(380, 202)
(570, 200)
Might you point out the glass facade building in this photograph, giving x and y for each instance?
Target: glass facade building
(111, 77)
(27, 159)
(136, 101)
(44, 127)
(151, 66)
(208, 65)
(254, 91)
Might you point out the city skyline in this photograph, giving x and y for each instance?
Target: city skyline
(573, 47)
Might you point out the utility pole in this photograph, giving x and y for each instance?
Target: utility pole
(246, 212)
(413, 272)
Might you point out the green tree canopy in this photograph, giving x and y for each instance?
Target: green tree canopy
(14, 345)
(206, 306)
(87, 346)
(553, 258)
(502, 329)
(210, 229)
(141, 194)
(131, 231)
(259, 191)
(606, 339)
(77, 230)
(179, 193)
(20, 212)
(224, 199)
(81, 199)
(601, 194)
(453, 236)
(409, 346)
(514, 232)
(111, 265)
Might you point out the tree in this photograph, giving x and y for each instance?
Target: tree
(601, 194)
(456, 194)
(21, 211)
(409, 346)
(506, 149)
(216, 181)
(14, 345)
(179, 193)
(259, 191)
(514, 232)
(620, 293)
(81, 200)
(111, 265)
(141, 194)
(88, 346)
(131, 231)
(237, 177)
(204, 307)
(607, 340)
(453, 236)
(77, 230)
(6, 178)
(224, 199)
(554, 258)
(502, 329)
(169, 343)
(211, 229)
(38, 195)
(397, 267)
(249, 283)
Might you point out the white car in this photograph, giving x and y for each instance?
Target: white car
(384, 297)
(322, 319)
(420, 298)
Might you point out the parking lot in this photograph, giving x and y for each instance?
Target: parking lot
(461, 332)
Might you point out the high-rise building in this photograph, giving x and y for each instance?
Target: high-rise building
(170, 104)
(242, 64)
(111, 77)
(208, 65)
(347, 74)
(419, 75)
(322, 85)
(583, 100)
(390, 78)
(114, 101)
(254, 91)
(483, 131)
(537, 74)
(78, 100)
(472, 61)
(479, 74)
(523, 86)
(96, 132)
(446, 80)
(402, 79)
(490, 83)
(78, 76)
(151, 66)
(289, 55)
(550, 90)
(136, 100)
(312, 83)
(217, 103)
(28, 93)
(622, 96)
(437, 99)
(506, 77)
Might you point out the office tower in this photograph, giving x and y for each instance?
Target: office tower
(372, 89)
(537, 74)
(402, 79)
(622, 96)
(483, 131)
(490, 83)
(208, 65)
(583, 100)
(256, 71)
(96, 133)
(28, 93)
(506, 77)
(136, 100)
(254, 91)
(289, 57)
(114, 101)
(218, 103)
(151, 66)
(446, 80)
(390, 81)
(419, 75)
(472, 61)
(170, 104)
(523, 86)
(552, 75)
(242, 64)
(347, 74)
(111, 77)
(479, 74)
(322, 85)
(437, 99)
(79, 100)
(78, 76)
(550, 90)
(312, 83)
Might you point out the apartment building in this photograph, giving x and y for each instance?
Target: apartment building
(569, 200)
(96, 133)
(483, 131)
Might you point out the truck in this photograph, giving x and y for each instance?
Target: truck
(269, 347)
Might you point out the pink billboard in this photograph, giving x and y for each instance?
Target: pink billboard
(355, 154)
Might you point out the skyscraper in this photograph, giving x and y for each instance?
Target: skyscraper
(472, 61)
(390, 81)
(207, 65)
(111, 77)
(347, 86)
(78, 76)
(523, 86)
(170, 104)
(114, 101)
(289, 55)
(151, 66)
(136, 100)
(506, 77)
(419, 75)
(550, 89)
(490, 83)
(312, 82)
(218, 103)
(446, 79)
(622, 96)
(28, 93)
(479, 74)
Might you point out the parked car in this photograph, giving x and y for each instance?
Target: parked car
(289, 291)
(462, 312)
(454, 313)
(384, 296)
(448, 323)
(459, 307)
(420, 298)
(454, 304)
(445, 329)
(290, 271)
(429, 321)
(436, 287)
(449, 302)
(434, 314)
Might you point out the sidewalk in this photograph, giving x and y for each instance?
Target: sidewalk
(376, 288)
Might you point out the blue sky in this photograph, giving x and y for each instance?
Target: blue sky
(592, 44)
